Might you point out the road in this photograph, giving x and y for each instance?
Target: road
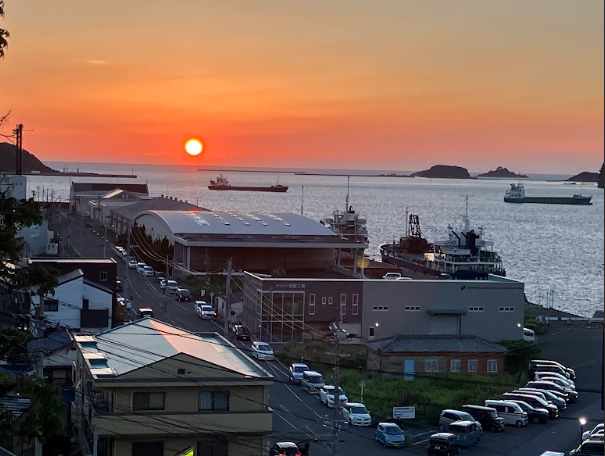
(300, 416)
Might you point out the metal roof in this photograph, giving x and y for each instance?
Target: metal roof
(147, 341)
(101, 187)
(436, 344)
(154, 204)
(239, 223)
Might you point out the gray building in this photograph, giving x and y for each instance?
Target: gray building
(281, 310)
(82, 193)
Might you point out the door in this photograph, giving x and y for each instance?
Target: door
(445, 324)
(409, 370)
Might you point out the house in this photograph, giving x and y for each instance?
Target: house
(56, 354)
(78, 303)
(416, 356)
(151, 389)
(82, 193)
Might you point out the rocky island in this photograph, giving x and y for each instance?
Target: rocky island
(503, 173)
(585, 177)
(444, 172)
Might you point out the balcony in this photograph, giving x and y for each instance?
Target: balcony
(162, 423)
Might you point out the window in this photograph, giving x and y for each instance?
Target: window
(372, 332)
(476, 309)
(51, 305)
(103, 276)
(473, 365)
(148, 401)
(312, 304)
(492, 366)
(214, 402)
(355, 304)
(85, 304)
(455, 365)
(343, 304)
(431, 365)
(324, 301)
(148, 449)
(412, 309)
(213, 448)
(507, 309)
(381, 309)
(330, 301)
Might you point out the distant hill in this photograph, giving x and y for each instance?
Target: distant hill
(504, 173)
(444, 172)
(586, 176)
(30, 162)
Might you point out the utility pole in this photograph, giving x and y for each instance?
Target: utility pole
(126, 274)
(228, 296)
(105, 239)
(19, 152)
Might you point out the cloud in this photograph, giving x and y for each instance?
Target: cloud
(97, 62)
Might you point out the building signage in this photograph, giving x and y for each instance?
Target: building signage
(404, 413)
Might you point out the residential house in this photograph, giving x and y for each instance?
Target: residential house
(151, 389)
(78, 303)
(408, 356)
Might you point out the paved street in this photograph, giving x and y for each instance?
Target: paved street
(299, 416)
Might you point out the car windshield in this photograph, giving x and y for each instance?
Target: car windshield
(392, 430)
(185, 292)
(264, 347)
(493, 414)
(315, 378)
(359, 410)
(207, 309)
(300, 369)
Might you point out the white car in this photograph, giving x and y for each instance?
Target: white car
(598, 430)
(557, 381)
(263, 351)
(297, 371)
(356, 414)
(172, 285)
(204, 311)
(543, 375)
(141, 267)
(392, 276)
(148, 271)
(132, 264)
(327, 395)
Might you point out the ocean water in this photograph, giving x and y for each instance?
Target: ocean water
(557, 250)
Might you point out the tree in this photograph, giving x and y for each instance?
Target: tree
(4, 35)
(519, 354)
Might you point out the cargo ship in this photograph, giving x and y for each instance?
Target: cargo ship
(465, 255)
(516, 194)
(222, 184)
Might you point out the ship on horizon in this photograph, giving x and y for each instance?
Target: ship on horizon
(222, 184)
(516, 194)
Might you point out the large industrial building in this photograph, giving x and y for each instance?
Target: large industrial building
(205, 241)
(282, 310)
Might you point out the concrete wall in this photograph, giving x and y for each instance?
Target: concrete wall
(402, 307)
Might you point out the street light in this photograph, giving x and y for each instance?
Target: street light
(583, 422)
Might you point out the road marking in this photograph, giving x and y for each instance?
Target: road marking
(290, 424)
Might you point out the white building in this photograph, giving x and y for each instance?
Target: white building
(78, 303)
(16, 186)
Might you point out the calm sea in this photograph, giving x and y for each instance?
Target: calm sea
(556, 250)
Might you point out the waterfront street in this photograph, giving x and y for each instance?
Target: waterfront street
(299, 416)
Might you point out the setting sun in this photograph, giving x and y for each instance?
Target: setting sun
(194, 147)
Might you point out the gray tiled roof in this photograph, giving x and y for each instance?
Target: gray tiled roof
(247, 224)
(153, 204)
(436, 344)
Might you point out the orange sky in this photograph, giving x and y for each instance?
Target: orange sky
(382, 84)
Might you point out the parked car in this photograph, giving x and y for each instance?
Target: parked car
(183, 295)
(125, 302)
(169, 285)
(263, 351)
(312, 382)
(468, 432)
(141, 267)
(534, 401)
(588, 434)
(540, 376)
(240, 332)
(529, 335)
(145, 313)
(534, 363)
(565, 384)
(285, 449)
(159, 276)
(148, 271)
(132, 264)
(450, 416)
(327, 395)
(356, 414)
(204, 311)
(551, 397)
(443, 444)
(550, 386)
(296, 372)
(535, 415)
(589, 447)
(119, 286)
(512, 413)
(392, 276)
(390, 435)
(487, 416)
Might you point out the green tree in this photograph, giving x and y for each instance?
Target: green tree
(519, 354)
(4, 35)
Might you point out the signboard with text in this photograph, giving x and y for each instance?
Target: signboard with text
(404, 413)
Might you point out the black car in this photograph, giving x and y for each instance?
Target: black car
(487, 416)
(240, 332)
(535, 415)
(443, 444)
(183, 294)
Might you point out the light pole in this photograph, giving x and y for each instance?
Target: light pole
(583, 422)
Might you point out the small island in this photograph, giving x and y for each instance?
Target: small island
(503, 173)
(586, 177)
(444, 172)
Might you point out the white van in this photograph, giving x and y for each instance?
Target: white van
(512, 413)
(529, 335)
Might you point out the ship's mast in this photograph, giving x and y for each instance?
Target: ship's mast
(407, 222)
(348, 194)
(467, 223)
